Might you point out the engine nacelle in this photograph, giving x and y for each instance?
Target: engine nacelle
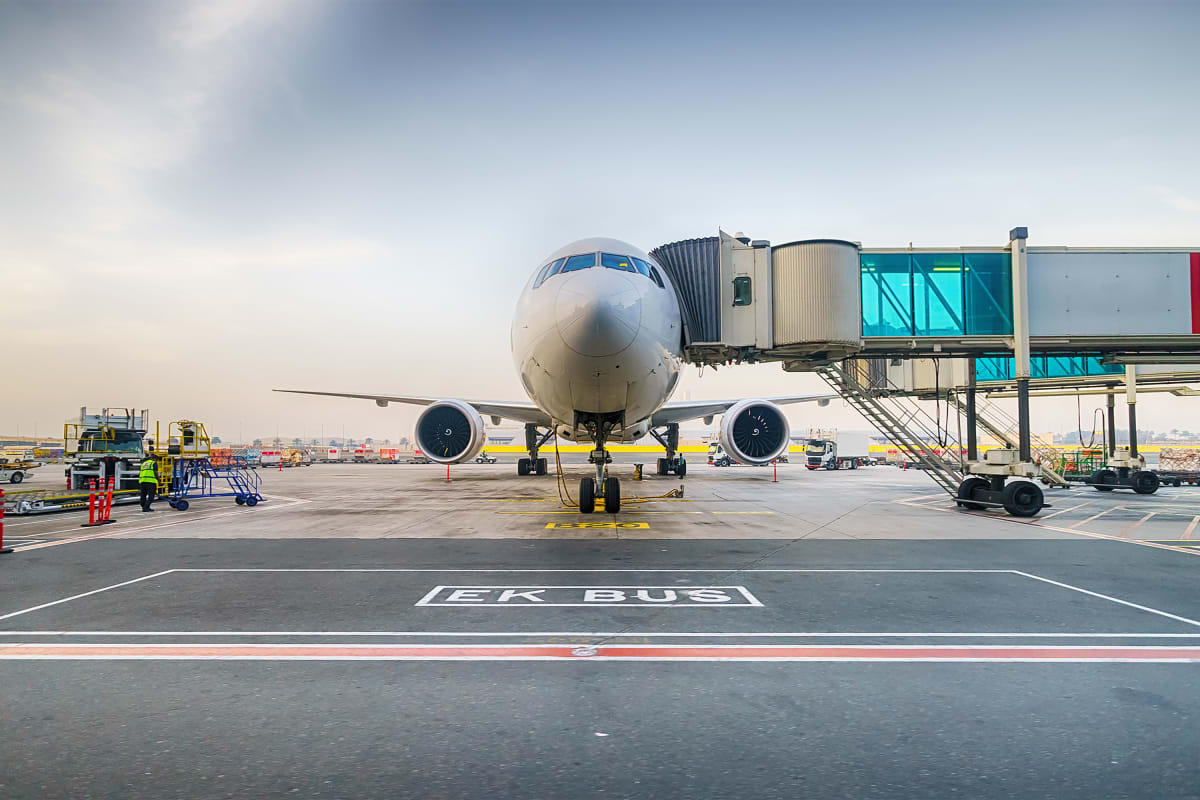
(755, 432)
(450, 432)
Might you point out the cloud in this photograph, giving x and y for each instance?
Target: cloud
(1176, 200)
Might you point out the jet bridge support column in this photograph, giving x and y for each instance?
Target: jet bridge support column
(1131, 400)
(1020, 279)
(1112, 423)
(987, 485)
(972, 434)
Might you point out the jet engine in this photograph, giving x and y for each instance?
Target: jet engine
(450, 432)
(755, 432)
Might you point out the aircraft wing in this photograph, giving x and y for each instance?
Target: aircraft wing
(519, 412)
(693, 409)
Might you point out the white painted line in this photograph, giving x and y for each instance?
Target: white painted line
(1109, 597)
(631, 634)
(527, 570)
(85, 594)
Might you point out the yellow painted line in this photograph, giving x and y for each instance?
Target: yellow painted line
(591, 525)
(1065, 510)
(1133, 526)
(1089, 519)
(1187, 533)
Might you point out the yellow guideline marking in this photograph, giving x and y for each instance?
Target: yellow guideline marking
(1089, 519)
(1187, 534)
(579, 525)
(1133, 526)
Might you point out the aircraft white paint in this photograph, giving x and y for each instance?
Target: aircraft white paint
(597, 341)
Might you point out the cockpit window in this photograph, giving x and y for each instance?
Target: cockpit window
(655, 276)
(617, 262)
(642, 267)
(547, 271)
(579, 262)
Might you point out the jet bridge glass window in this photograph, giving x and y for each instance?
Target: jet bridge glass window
(937, 294)
(617, 262)
(642, 267)
(579, 262)
(987, 280)
(886, 294)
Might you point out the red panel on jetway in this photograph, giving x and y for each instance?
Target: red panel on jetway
(1195, 292)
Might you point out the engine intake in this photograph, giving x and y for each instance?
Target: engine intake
(755, 432)
(450, 432)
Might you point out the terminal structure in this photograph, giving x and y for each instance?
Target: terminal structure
(882, 325)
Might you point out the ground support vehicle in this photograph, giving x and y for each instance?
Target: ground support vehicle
(1124, 471)
(419, 458)
(988, 484)
(837, 450)
(16, 471)
(484, 458)
(186, 471)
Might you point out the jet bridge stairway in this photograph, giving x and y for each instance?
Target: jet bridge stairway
(1003, 427)
(917, 434)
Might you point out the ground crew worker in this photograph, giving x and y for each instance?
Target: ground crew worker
(148, 481)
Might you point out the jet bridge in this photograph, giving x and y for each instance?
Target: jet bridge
(1079, 315)
(815, 301)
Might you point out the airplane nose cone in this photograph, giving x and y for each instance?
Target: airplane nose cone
(598, 311)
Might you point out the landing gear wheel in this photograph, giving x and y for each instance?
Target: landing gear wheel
(1104, 476)
(967, 489)
(662, 466)
(1022, 498)
(681, 468)
(1145, 482)
(612, 495)
(240, 499)
(252, 501)
(587, 496)
(181, 505)
(523, 467)
(541, 466)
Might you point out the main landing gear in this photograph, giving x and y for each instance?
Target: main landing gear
(533, 465)
(672, 464)
(609, 487)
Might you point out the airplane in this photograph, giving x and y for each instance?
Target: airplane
(597, 339)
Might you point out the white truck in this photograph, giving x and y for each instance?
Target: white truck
(837, 450)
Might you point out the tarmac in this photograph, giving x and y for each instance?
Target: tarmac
(377, 631)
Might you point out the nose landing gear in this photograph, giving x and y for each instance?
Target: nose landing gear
(609, 487)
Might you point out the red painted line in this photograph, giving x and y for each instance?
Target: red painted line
(623, 652)
(1195, 292)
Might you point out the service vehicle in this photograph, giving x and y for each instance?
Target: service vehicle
(831, 449)
(484, 458)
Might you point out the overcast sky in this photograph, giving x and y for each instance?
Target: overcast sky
(202, 201)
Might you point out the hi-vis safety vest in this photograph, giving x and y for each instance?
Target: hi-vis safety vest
(147, 473)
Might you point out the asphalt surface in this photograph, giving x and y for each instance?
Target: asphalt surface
(226, 658)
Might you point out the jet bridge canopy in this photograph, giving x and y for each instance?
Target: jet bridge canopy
(814, 301)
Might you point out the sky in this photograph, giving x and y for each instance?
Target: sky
(200, 201)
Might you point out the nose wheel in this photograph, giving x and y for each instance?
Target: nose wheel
(610, 494)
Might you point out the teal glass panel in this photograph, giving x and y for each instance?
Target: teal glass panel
(987, 280)
(1002, 369)
(886, 294)
(937, 294)
(993, 369)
